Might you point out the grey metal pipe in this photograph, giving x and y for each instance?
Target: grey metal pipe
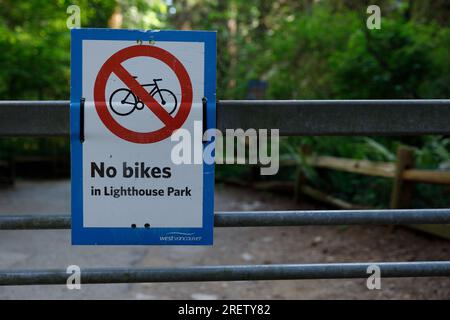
(35, 222)
(34, 118)
(266, 218)
(291, 117)
(331, 217)
(228, 273)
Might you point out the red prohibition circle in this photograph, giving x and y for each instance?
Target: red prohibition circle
(114, 65)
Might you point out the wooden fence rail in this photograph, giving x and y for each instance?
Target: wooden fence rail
(402, 172)
(379, 169)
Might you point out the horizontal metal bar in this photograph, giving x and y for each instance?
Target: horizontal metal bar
(338, 117)
(35, 222)
(228, 273)
(291, 117)
(266, 218)
(34, 118)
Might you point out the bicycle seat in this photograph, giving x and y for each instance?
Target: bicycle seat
(135, 77)
(157, 80)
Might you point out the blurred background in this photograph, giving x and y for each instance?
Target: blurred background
(282, 49)
(286, 49)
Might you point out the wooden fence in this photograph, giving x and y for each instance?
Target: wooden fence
(403, 173)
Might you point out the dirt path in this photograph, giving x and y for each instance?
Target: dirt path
(51, 249)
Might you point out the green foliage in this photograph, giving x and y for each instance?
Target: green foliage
(35, 41)
(303, 49)
(35, 53)
(405, 72)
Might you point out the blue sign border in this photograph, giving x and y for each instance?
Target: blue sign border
(137, 236)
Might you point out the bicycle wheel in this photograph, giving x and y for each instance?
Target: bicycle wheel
(122, 102)
(169, 101)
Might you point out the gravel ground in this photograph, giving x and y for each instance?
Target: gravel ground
(52, 249)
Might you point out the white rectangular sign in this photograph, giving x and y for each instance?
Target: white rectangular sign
(131, 93)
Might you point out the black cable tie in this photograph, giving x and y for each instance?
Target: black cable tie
(82, 119)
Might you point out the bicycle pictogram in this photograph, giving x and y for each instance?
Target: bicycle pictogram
(124, 102)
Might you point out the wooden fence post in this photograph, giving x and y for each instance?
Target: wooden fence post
(402, 189)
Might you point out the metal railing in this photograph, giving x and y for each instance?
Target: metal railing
(267, 218)
(291, 117)
(354, 117)
(229, 273)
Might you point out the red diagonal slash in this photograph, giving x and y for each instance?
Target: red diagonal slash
(148, 100)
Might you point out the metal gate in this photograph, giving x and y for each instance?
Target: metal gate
(292, 118)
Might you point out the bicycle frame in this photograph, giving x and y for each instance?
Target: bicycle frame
(137, 102)
(155, 87)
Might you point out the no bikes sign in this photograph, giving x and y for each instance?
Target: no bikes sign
(134, 96)
(130, 91)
